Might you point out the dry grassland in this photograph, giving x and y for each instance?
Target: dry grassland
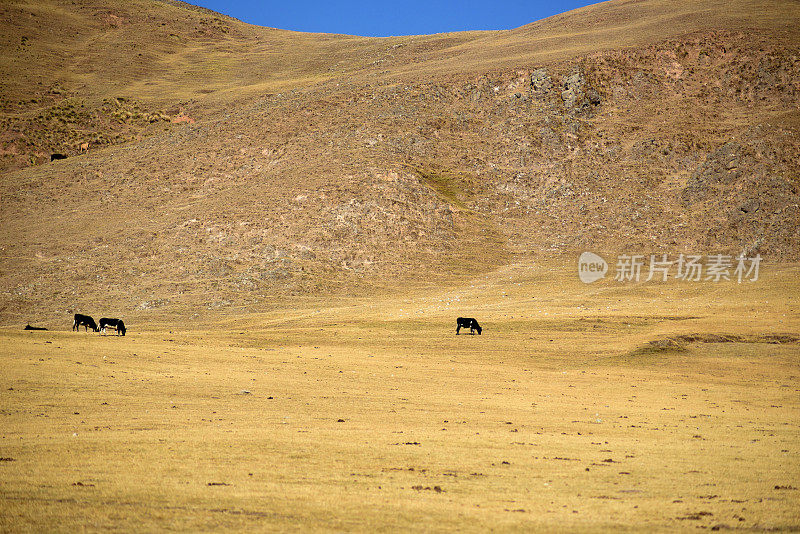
(237, 174)
(370, 415)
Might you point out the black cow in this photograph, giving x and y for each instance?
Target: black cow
(85, 321)
(56, 156)
(29, 327)
(116, 324)
(468, 322)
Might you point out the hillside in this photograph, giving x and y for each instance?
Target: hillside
(230, 166)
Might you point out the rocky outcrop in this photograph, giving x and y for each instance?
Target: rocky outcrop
(577, 94)
(721, 167)
(540, 82)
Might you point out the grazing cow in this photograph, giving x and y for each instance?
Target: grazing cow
(84, 147)
(29, 327)
(85, 321)
(56, 156)
(116, 324)
(468, 322)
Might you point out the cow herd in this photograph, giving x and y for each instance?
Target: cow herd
(87, 322)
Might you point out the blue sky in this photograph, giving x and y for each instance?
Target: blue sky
(377, 18)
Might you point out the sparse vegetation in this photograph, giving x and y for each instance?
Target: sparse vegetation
(262, 421)
(289, 225)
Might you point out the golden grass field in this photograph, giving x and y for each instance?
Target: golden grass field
(371, 415)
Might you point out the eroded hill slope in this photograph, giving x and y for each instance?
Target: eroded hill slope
(265, 163)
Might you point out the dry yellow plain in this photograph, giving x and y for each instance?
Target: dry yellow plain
(371, 415)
